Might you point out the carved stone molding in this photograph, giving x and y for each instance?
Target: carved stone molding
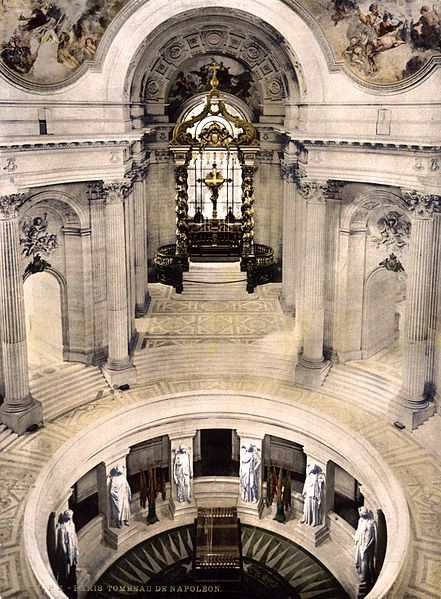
(10, 204)
(138, 172)
(312, 190)
(422, 205)
(333, 189)
(290, 172)
(95, 190)
(161, 156)
(393, 231)
(266, 156)
(116, 191)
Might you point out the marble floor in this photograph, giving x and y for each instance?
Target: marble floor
(190, 343)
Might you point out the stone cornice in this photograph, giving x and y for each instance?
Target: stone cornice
(50, 142)
(309, 143)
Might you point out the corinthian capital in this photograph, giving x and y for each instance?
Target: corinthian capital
(10, 204)
(422, 205)
(333, 189)
(116, 191)
(312, 190)
(290, 172)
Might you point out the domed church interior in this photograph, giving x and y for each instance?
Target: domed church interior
(220, 263)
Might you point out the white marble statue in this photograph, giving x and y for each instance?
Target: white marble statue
(120, 497)
(313, 495)
(67, 549)
(182, 474)
(249, 473)
(365, 541)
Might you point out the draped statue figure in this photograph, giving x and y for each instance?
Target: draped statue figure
(313, 495)
(365, 541)
(66, 552)
(249, 479)
(120, 497)
(182, 474)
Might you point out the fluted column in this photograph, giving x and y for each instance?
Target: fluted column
(312, 367)
(142, 296)
(119, 369)
(19, 410)
(412, 407)
(289, 173)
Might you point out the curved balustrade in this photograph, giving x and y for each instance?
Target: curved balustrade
(171, 266)
(110, 436)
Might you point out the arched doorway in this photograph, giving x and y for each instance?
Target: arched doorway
(380, 326)
(43, 308)
(212, 133)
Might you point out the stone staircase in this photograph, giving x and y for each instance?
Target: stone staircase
(205, 359)
(214, 281)
(67, 386)
(355, 385)
(6, 436)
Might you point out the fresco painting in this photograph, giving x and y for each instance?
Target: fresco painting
(194, 77)
(46, 42)
(381, 42)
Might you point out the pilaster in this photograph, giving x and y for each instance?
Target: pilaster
(142, 296)
(289, 173)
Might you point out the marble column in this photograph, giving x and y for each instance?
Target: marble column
(112, 535)
(412, 406)
(142, 296)
(119, 368)
(19, 410)
(289, 172)
(181, 473)
(250, 493)
(312, 368)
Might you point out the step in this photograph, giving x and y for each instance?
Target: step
(6, 438)
(370, 386)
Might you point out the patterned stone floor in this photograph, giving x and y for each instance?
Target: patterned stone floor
(417, 468)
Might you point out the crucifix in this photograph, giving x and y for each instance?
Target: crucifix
(214, 82)
(214, 181)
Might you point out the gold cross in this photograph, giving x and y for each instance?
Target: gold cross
(215, 179)
(214, 82)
